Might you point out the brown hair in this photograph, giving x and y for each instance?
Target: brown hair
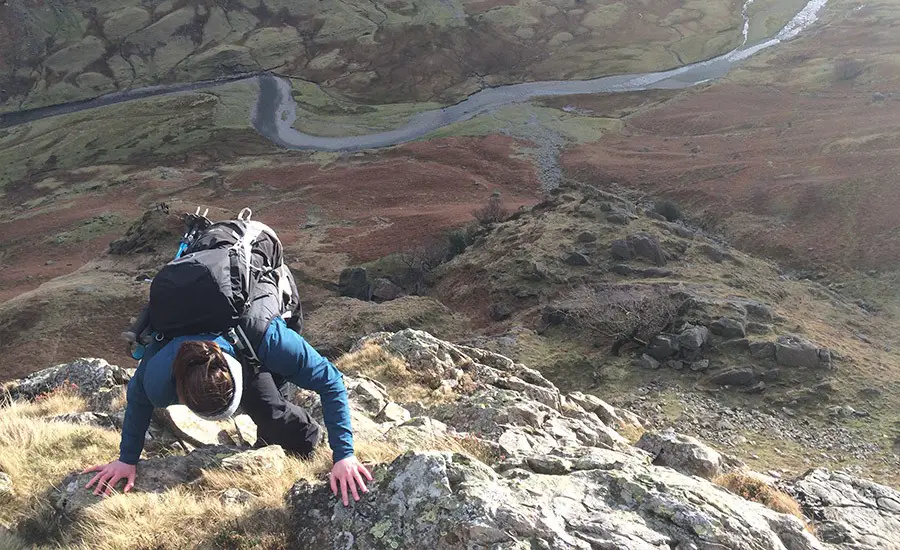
(202, 379)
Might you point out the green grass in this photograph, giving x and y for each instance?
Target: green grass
(767, 17)
(522, 120)
(90, 228)
(324, 113)
(129, 133)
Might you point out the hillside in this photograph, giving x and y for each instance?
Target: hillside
(420, 50)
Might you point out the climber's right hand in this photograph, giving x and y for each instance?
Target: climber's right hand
(109, 475)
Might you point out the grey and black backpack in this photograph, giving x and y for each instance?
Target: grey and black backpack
(232, 280)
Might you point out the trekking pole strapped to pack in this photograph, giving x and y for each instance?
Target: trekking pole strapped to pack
(228, 277)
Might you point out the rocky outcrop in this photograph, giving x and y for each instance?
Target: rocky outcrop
(852, 513)
(541, 470)
(87, 376)
(449, 501)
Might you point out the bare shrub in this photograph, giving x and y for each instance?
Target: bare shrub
(624, 314)
(667, 209)
(848, 69)
(492, 212)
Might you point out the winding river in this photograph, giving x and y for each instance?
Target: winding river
(275, 111)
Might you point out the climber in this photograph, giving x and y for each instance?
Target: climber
(228, 337)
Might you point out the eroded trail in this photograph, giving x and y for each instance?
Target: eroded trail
(275, 111)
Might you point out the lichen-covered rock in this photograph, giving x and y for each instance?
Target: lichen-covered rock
(853, 513)
(682, 453)
(442, 501)
(155, 475)
(87, 375)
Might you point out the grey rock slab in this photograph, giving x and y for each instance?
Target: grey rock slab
(850, 512)
(442, 501)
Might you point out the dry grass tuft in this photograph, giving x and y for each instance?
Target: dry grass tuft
(757, 490)
(37, 454)
(403, 385)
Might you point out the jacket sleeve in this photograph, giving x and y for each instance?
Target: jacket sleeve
(138, 412)
(285, 352)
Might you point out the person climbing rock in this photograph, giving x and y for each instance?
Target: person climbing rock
(221, 332)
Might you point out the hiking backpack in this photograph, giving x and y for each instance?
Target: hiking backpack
(231, 279)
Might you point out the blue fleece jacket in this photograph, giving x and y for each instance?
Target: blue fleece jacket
(282, 352)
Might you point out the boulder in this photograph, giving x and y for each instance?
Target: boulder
(735, 344)
(393, 412)
(444, 501)
(795, 351)
(850, 512)
(586, 237)
(617, 218)
(728, 328)
(733, 376)
(662, 346)
(85, 375)
(682, 453)
(693, 338)
(647, 246)
(383, 290)
(353, 282)
(620, 250)
(577, 259)
(646, 362)
(500, 311)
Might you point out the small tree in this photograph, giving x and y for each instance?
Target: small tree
(422, 259)
(622, 314)
(492, 212)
